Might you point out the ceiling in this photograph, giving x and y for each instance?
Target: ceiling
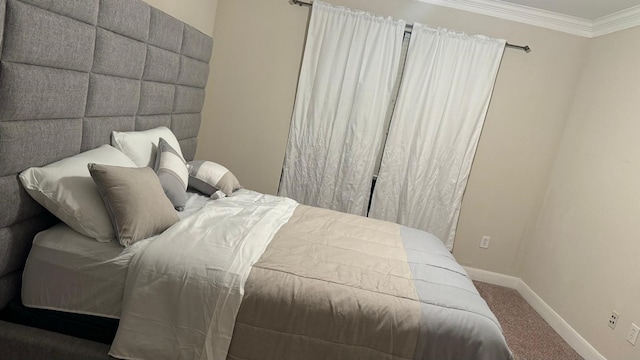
(587, 18)
(586, 9)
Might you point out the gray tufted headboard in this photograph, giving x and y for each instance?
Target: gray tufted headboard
(71, 72)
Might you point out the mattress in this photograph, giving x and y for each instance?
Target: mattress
(67, 271)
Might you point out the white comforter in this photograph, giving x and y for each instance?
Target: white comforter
(184, 289)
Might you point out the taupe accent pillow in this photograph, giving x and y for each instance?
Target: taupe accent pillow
(173, 174)
(135, 201)
(208, 177)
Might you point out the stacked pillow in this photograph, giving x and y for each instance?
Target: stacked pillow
(209, 177)
(134, 201)
(173, 174)
(66, 189)
(118, 192)
(158, 149)
(142, 146)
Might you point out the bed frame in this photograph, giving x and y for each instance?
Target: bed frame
(70, 73)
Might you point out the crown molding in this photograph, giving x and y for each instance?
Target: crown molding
(621, 20)
(547, 19)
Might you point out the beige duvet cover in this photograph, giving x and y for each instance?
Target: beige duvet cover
(338, 286)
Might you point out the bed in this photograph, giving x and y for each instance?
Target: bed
(248, 276)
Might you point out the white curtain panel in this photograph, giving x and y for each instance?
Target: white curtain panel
(443, 100)
(350, 63)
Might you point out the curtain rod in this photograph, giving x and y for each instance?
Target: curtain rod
(409, 27)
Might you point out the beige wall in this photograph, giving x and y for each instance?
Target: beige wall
(254, 71)
(583, 255)
(198, 13)
(257, 55)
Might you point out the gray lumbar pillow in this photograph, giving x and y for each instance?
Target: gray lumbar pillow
(134, 200)
(209, 177)
(173, 174)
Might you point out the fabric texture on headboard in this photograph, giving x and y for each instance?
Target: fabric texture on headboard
(70, 73)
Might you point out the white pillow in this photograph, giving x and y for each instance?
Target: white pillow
(66, 189)
(142, 146)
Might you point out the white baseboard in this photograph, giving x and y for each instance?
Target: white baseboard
(569, 334)
(492, 278)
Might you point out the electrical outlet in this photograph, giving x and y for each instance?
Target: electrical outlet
(633, 334)
(613, 319)
(484, 243)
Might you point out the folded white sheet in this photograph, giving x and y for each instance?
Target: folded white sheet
(183, 290)
(70, 272)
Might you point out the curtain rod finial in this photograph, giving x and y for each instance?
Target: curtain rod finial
(300, 3)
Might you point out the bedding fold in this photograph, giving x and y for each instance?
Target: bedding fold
(184, 289)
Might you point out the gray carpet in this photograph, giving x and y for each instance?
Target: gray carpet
(528, 335)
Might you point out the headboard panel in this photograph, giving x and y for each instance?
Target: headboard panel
(71, 72)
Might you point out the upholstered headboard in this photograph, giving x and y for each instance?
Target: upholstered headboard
(71, 72)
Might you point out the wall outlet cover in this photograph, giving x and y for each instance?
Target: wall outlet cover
(484, 243)
(613, 319)
(633, 334)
